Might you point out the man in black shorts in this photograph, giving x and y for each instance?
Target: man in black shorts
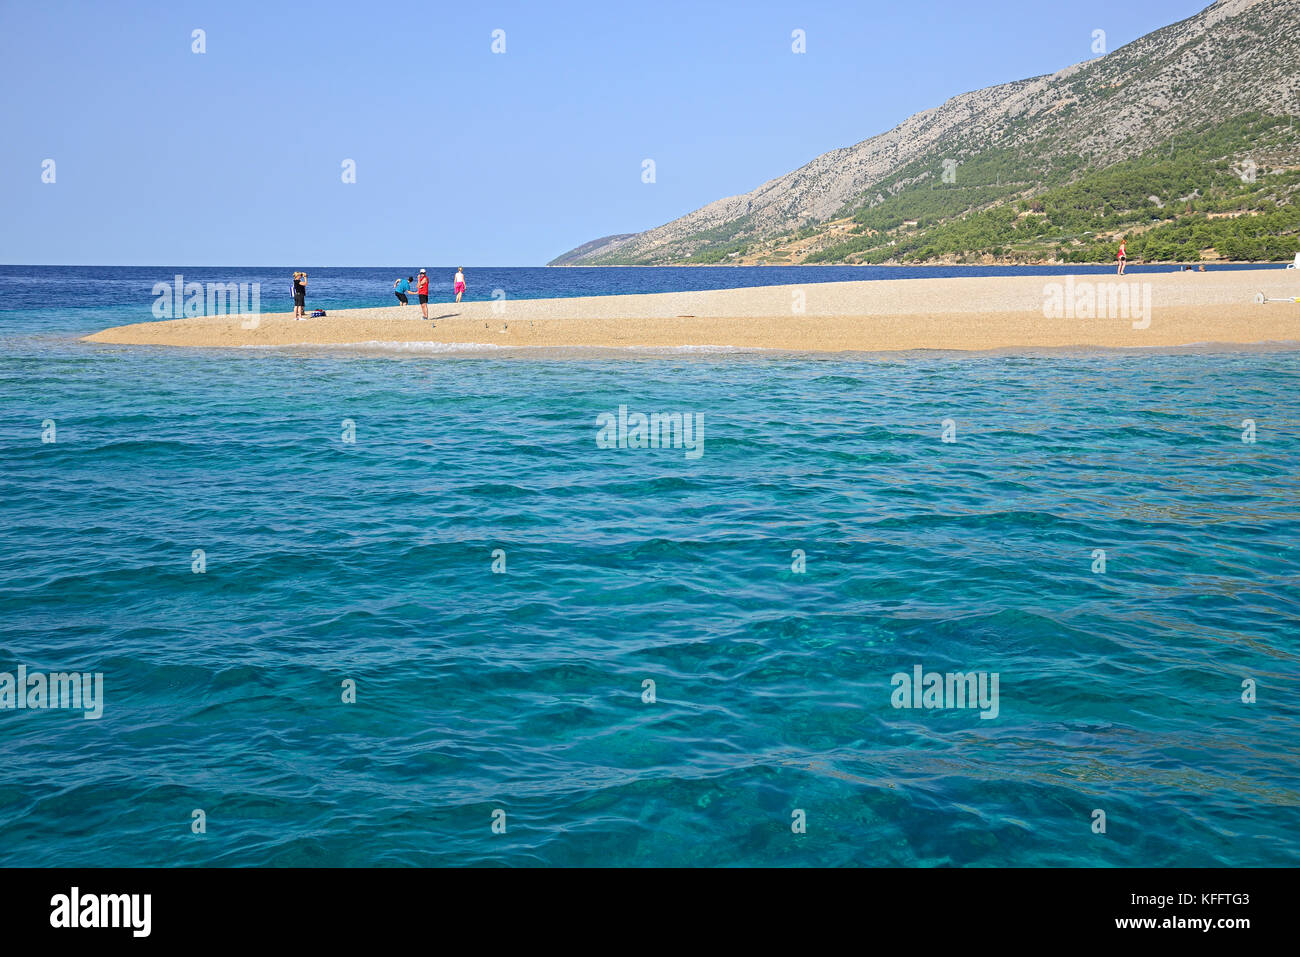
(300, 295)
(422, 288)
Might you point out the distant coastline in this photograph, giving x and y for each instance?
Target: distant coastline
(1171, 263)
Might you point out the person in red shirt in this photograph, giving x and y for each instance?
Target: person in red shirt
(422, 290)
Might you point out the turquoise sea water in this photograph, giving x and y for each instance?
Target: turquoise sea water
(372, 561)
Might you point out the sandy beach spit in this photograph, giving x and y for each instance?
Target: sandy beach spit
(969, 313)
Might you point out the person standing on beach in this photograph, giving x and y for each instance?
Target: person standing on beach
(422, 290)
(459, 282)
(400, 288)
(1122, 256)
(300, 295)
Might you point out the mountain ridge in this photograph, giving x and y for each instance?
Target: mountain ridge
(1231, 59)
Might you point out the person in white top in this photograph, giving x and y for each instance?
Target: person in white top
(460, 283)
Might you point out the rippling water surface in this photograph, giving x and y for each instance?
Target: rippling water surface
(523, 691)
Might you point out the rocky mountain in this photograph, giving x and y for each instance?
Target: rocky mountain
(592, 249)
(1233, 59)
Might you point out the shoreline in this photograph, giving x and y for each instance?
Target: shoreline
(984, 313)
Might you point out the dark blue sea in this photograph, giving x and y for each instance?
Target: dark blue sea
(130, 287)
(569, 654)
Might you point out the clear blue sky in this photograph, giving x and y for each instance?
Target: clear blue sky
(233, 157)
